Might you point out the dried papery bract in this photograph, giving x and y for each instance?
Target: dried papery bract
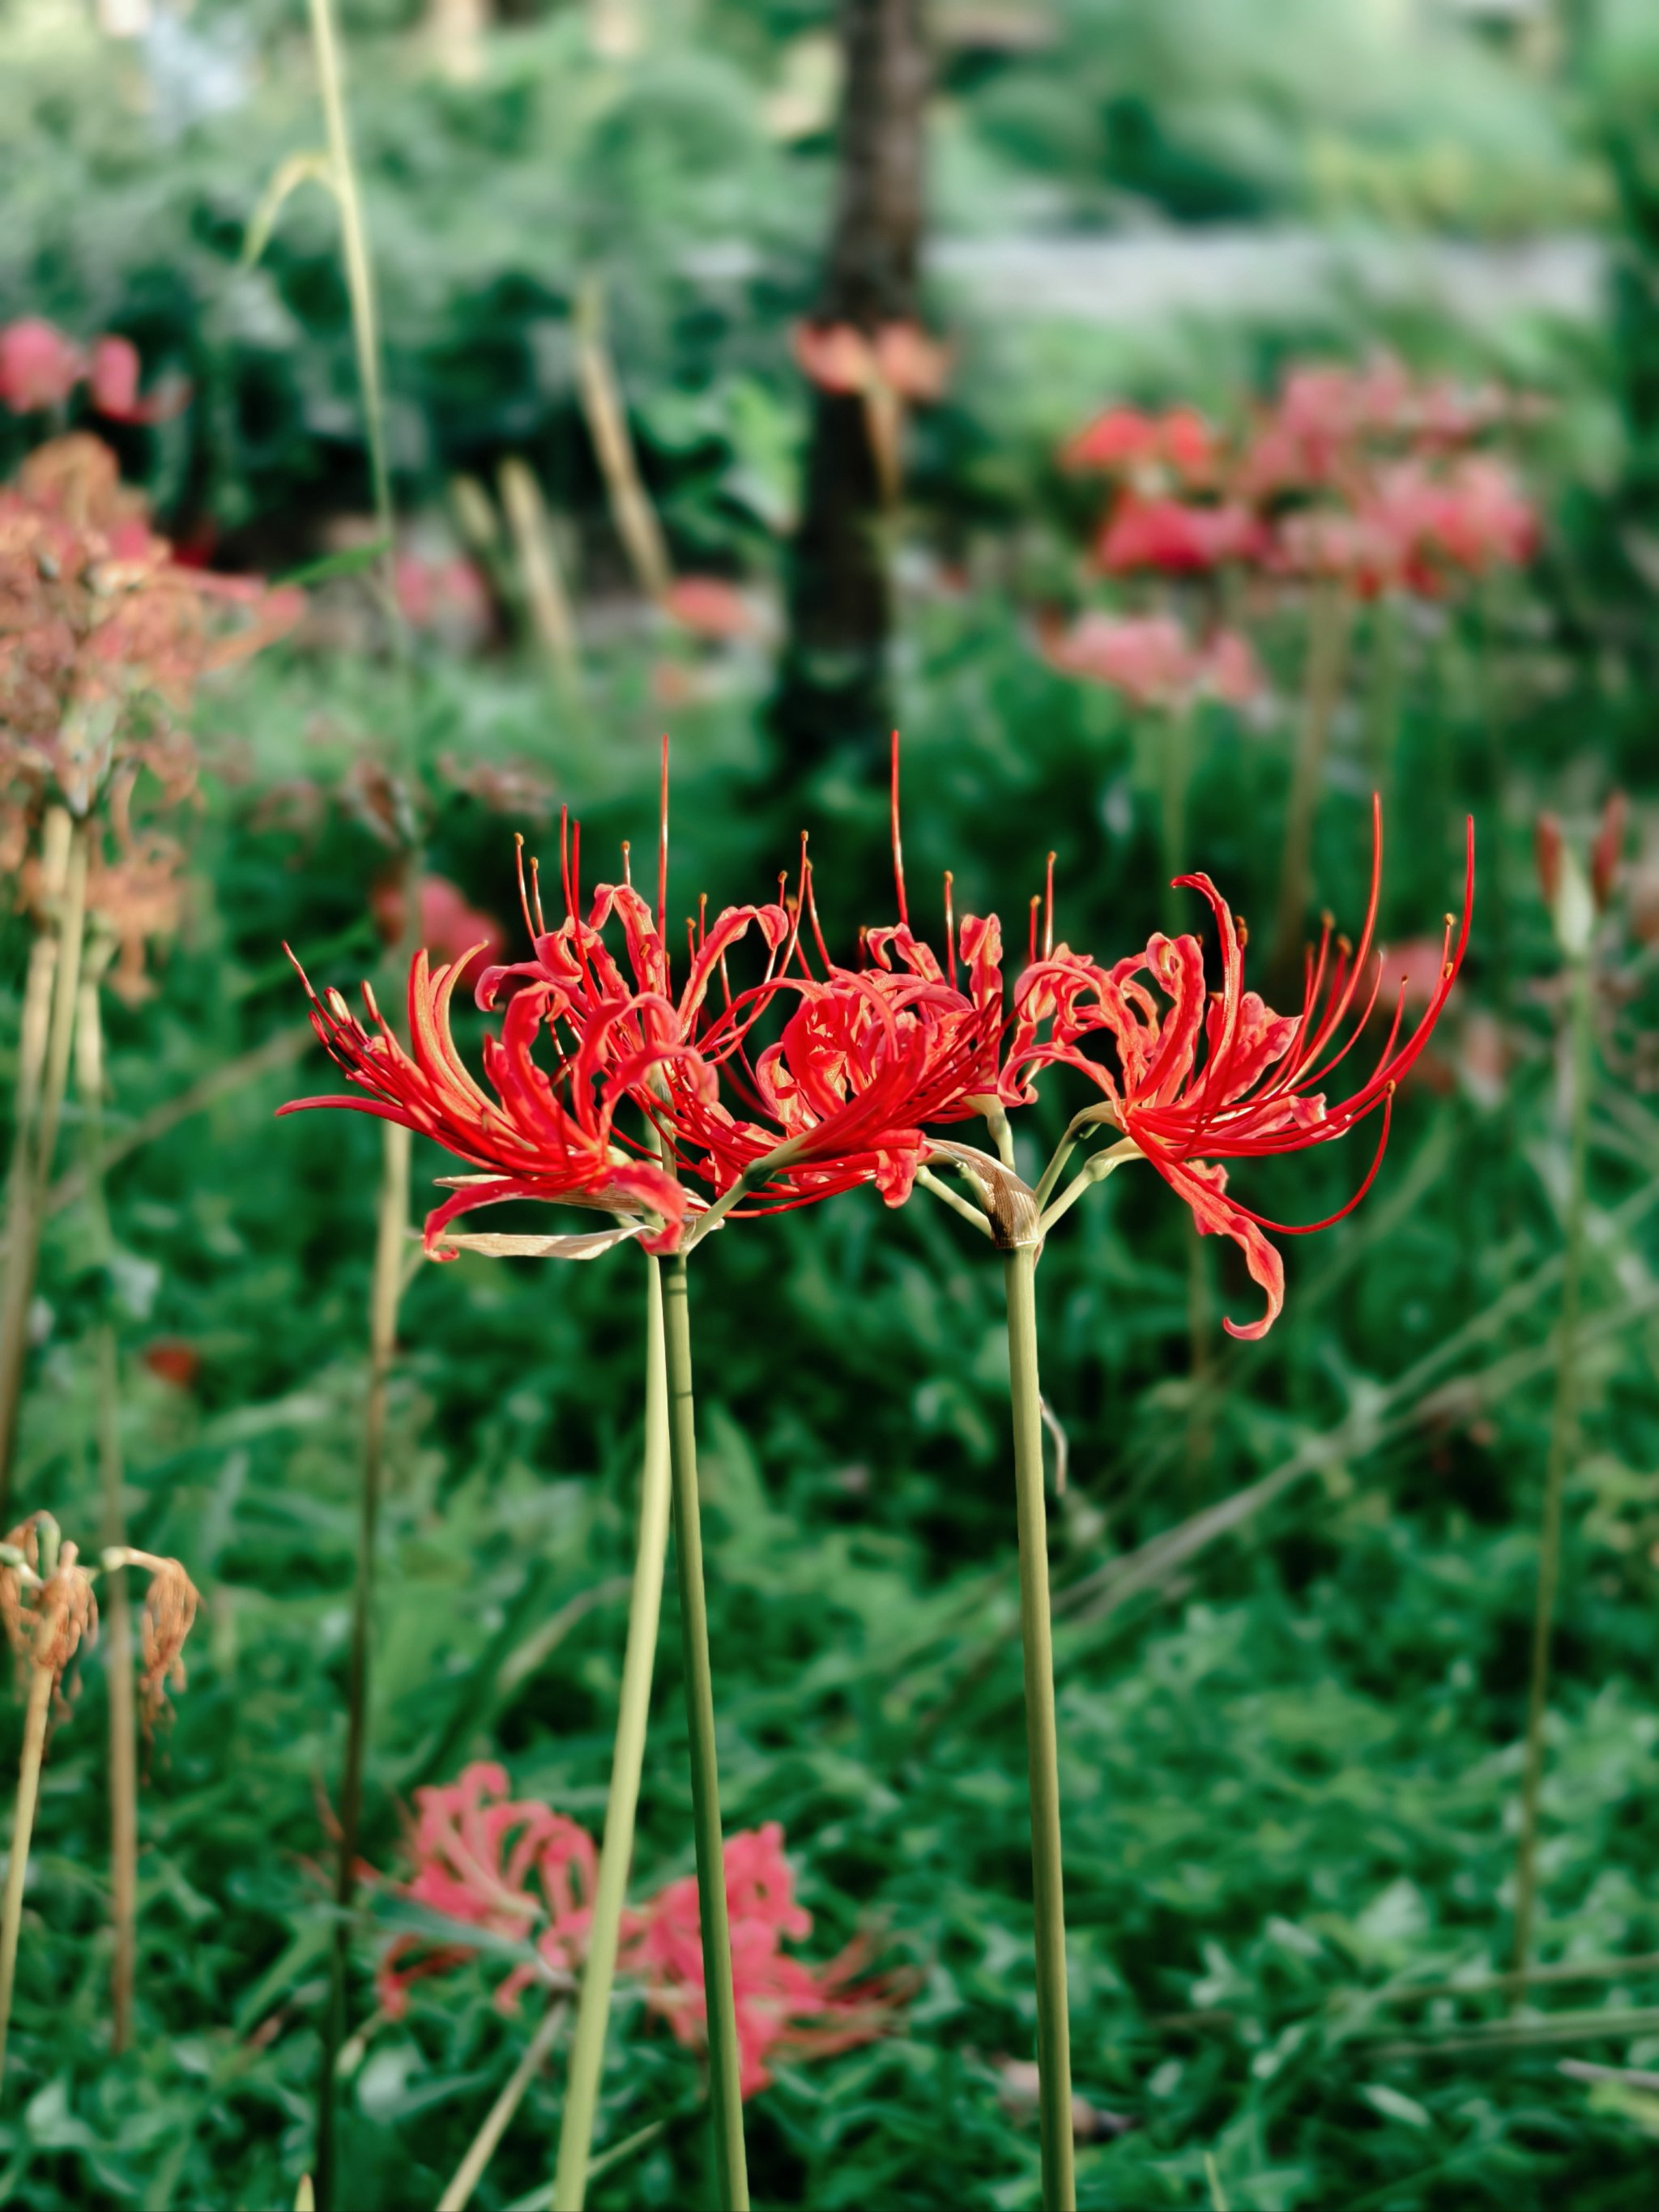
(164, 1620)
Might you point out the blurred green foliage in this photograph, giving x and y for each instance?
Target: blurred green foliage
(1292, 1754)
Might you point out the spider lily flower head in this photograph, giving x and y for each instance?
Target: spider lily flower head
(867, 1058)
(546, 1135)
(512, 1869)
(784, 2005)
(1203, 1077)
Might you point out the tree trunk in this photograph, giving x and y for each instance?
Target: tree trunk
(833, 686)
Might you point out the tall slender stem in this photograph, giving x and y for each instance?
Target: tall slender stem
(1176, 764)
(1564, 1429)
(1330, 624)
(360, 284)
(627, 1759)
(50, 1030)
(117, 1609)
(725, 2091)
(1041, 1738)
(22, 1828)
(384, 1293)
(482, 2148)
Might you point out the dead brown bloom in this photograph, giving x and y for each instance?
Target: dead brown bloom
(169, 1608)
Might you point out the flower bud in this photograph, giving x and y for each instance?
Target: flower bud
(1608, 852)
(1546, 850)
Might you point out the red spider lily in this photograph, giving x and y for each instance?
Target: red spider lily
(542, 1136)
(1124, 441)
(866, 1059)
(900, 359)
(783, 2004)
(513, 1868)
(1211, 1077)
(1176, 537)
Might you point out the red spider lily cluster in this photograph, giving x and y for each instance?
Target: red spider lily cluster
(610, 1088)
(40, 367)
(1371, 481)
(514, 1870)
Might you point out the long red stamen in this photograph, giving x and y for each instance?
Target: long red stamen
(950, 932)
(1049, 910)
(662, 845)
(898, 848)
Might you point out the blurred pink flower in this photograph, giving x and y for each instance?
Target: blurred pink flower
(901, 358)
(710, 607)
(442, 595)
(114, 384)
(1153, 662)
(783, 2004)
(513, 1868)
(39, 366)
(1176, 537)
(1123, 440)
(449, 927)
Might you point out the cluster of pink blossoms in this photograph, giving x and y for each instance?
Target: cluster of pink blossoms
(1369, 479)
(610, 1089)
(514, 1868)
(40, 367)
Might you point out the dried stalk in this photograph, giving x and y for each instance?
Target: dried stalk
(539, 577)
(607, 422)
(48, 1035)
(43, 1677)
(1331, 624)
(122, 1707)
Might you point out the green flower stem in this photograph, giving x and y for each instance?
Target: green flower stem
(384, 1291)
(1041, 1738)
(725, 2093)
(1564, 1430)
(645, 1609)
(470, 2171)
(1331, 623)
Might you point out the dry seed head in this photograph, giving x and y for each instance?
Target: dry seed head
(169, 1608)
(65, 1613)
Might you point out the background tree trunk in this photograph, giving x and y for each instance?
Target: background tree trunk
(833, 687)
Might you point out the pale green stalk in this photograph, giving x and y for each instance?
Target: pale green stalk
(1041, 1738)
(359, 279)
(393, 1210)
(470, 2171)
(725, 2090)
(1564, 1430)
(645, 1609)
(1331, 622)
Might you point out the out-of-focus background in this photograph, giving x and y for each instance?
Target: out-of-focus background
(995, 413)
